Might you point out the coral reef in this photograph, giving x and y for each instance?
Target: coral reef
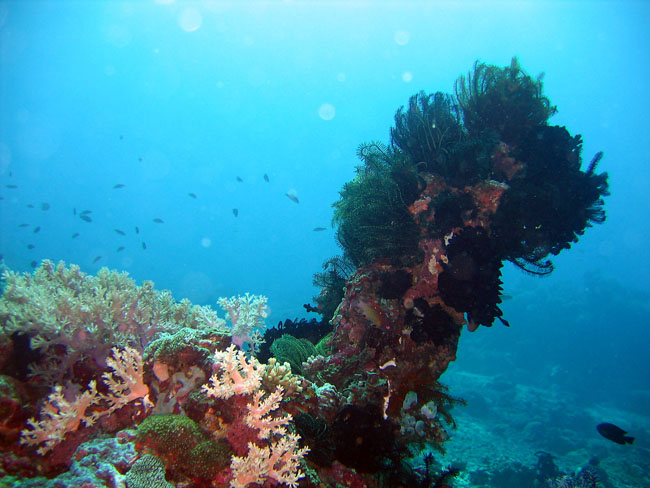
(467, 182)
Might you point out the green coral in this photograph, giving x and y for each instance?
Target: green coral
(147, 472)
(372, 214)
(182, 445)
(70, 315)
(293, 351)
(323, 348)
(183, 346)
(331, 281)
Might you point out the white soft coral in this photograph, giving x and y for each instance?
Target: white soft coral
(237, 375)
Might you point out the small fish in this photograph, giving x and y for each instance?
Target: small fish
(96, 259)
(193, 195)
(29, 205)
(118, 185)
(37, 228)
(30, 246)
(74, 211)
(144, 245)
(86, 218)
(121, 137)
(291, 195)
(120, 232)
(33, 264)
(23, 225)
(614, 433)
(45, 206)
(235, 212)
(505, 296)
(85, 212)
(137, 231)
(120, 249)
(158, 221)
(319, 229)
(75, 235)
(140, 159)
(13, 187)
(239, 178)
(266, 178)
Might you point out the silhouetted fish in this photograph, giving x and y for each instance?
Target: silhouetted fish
(75, 235)
(158, 221)
(239, 178)
(140, 159)
(291, 195)
(84, 212)
(13, 187)
(121, 137)
(118, 185)
(24, 225)
(137, 231)
(120, 249)
(193, 195)
(33, 264)
(30, 246)
(45, 206)
(614, 433)
(319, 229)
(120, 232)
(96, 259)
(37, 228)
(29, 205)
(235, 212)
(85, 218)
(266, 177)
(74, 211)
(144, 245)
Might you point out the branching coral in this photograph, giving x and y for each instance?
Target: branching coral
(60, 416)
(279, 459)
(246, 314)
(70, 315)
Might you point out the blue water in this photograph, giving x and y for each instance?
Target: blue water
(171, 98)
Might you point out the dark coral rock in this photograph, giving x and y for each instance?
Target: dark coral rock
(363, 439)
(471, 280)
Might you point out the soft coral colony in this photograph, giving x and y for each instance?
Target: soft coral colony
(97, 371)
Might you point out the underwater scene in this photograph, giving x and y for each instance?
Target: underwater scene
(321, 244)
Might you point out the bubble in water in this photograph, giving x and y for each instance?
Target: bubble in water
(206, 242)
(190, 19)
(326, 111)
(407, 76)
(402, 37)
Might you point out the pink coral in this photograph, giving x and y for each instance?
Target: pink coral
(127, 366)
(238, 375)
(260, 414)
(58, 417)
(280, 462)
